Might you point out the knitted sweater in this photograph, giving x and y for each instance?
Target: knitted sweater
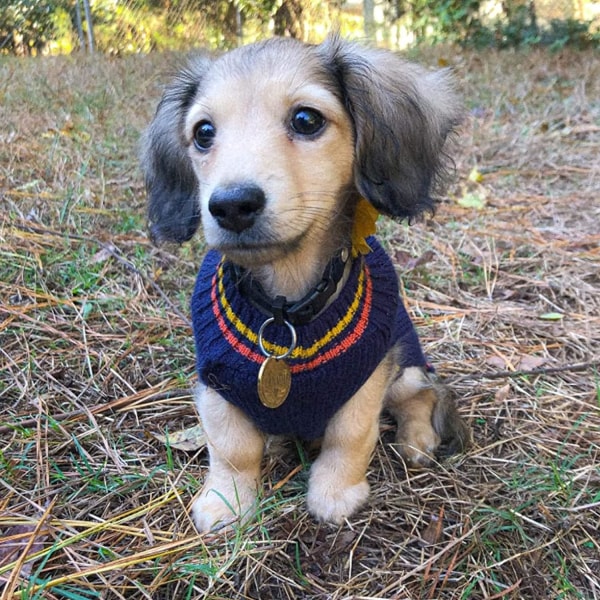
(335, 353)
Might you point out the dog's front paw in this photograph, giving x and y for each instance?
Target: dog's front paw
(217, 511)
(331, 500)
(212, 513)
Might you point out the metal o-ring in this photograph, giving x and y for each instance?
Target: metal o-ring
(260, 339)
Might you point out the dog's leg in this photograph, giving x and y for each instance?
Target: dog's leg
(236, 448)
(338, 485)
(426, 416)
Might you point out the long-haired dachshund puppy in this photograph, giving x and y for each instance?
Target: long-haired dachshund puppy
(286, 152)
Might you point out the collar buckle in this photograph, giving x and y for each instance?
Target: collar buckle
(296, 313)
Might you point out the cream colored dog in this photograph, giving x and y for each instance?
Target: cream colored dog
(274, 147)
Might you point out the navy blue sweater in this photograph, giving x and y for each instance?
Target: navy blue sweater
(335, 354)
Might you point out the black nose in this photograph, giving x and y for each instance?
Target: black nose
(236, 207)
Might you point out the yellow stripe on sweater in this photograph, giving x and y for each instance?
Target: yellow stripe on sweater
(299, 351)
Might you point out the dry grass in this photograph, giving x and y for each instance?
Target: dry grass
(95, 358)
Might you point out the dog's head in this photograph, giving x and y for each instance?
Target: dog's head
(272, 144)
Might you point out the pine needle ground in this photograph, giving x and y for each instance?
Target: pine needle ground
(96, 357)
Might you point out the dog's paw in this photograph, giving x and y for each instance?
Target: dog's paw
(417, 443)
(212, 514)
(213, 511)
(330, 501)
(427, 417)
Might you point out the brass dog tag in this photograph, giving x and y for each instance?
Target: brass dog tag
(274, 382)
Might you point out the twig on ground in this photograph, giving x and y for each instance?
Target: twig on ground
(593, 364)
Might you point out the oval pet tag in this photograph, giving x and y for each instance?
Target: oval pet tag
(274, 382)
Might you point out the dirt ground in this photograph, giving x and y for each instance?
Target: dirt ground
(96, 359)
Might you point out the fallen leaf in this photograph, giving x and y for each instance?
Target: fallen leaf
(190, 439)
(502, 394)
(500, 293)
(402, 258)
(432, 534)
(102, 255)
(425, 258)
(408, 262)
(552, 316)
(345, 540)
(497, 361)
(13, 542)
(475, 175)
(529, 363)
(472, 200)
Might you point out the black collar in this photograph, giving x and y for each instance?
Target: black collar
(296, 313)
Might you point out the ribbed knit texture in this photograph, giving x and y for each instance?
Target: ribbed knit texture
(335, 354)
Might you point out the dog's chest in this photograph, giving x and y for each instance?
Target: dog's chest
(334, 355)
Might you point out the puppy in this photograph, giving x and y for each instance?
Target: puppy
(287, 152)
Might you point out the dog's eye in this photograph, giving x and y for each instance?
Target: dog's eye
(204, 135)
(307, 121)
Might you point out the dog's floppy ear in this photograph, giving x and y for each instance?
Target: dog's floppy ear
(171, 183)
(402, 116)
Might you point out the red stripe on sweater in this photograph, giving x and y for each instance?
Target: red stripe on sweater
(241, 348)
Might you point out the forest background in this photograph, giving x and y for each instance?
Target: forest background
(125, 26)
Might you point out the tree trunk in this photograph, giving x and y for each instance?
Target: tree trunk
(79, 26)
(90, 26)
(369, 19)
